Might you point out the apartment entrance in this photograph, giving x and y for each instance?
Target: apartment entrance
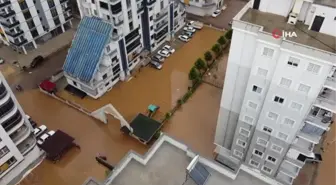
(317, 24)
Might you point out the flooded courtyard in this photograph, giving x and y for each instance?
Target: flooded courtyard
(149, 86)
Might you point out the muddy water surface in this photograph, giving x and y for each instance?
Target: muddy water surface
(194, 124)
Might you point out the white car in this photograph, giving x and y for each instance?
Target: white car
(2, 61)
(164, 53)
(189, 28)
(44, 137)
(184, 38)
(216, 13)
(38, 131)
(190, 23)
(169, 48)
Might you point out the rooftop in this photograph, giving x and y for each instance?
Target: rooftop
(167, 162)
(269, 22)
(330, 3)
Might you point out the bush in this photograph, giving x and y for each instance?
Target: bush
(187, 96)
(157, 135)
(208, 56)
(216, 49)
(200, 64)
(168, 115)
(194, 74)
(180, 102)
(228, 34)
(221, 40)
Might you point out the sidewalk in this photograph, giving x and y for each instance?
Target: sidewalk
(52, 46)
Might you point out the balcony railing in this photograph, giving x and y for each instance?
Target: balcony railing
(158, 17)
(63, 1)
(27, 145)
(7, 14)
(19, 134)
(5, 4)
(68, 17)
(19, 43)
(3, 91)
(289, 168)
(13, 34)
(303, 146)
(162, 25)
(150, 2)
(309, 137)
(10, 25)
(330, 83)
(119, 23)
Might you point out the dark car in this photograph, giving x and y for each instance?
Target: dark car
(188, 33)
(37, 61)
(158, 58)
(156, 65)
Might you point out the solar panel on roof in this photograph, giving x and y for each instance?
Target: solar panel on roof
(199, 174)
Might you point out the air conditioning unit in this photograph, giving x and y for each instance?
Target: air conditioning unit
(292, 18)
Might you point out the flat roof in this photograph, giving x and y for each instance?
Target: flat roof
(330, 3)
(144, 127)
(168, 166)
(269, 22)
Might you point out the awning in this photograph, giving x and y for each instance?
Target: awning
(48, 85)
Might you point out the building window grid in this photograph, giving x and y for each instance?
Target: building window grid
(241, 143)
(244, 132)
(262, 142)
(267, 129)
(276, 148)
(262, 72)
(258, 153)
(293, 61)
(248, 119)
(279, 99)
(282, 136)
(304, 88)
(256, 89)
(254, 163)
(3, 151)
(268, 52)
(285, 82)
(271, 159)
(267, 169)
(314, 68)
(238, 154)
(296, 106)
(289, 122)
(272, 116)
(252, 105)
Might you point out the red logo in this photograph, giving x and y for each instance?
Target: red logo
(276, 33)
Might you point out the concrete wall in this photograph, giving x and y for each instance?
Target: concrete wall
(280, 7)
(329, 23)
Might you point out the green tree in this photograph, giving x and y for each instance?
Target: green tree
(200, 64)
(216, 49)
(221, 40)
(194, 74)
(228, 34)
(208, 56)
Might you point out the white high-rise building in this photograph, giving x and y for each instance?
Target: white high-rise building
(202, 7)
(279, 93)
(18, 150)
(25, 23)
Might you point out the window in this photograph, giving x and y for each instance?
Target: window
(314, 68)
(256, 89)
(104, 76)
(3, 151)
(108, 49)
(75, 83)
(267, 129)
(271, 159)
(278, 99)
(262, 142)
(294, 62)
(151, 28)
(258, 153)
(241, 143)
(254, 163)
(262, 72)
(282, 136)
(103, 5)
(128, 3)
(296, 106)
(161, 4)
(248, 119)
(252, 105)
(93, 1)
(289, 122)
(151, 18)
(267, 169)
(131, 26)
(238, 154)
(276, 148)
(244, 132)
(273, 116)
(129, 14)
(304, 88)
(268, 52)
(285, 82)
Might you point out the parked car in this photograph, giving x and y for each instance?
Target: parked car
(2, 60)
(187, 33)
(190, 23)
(158, 58)
(216, 13)
(184, 38)
(40, 130)
(156, 65)
(164, 53)
(169, 49)
(230, 23)
(45, 136)
(195, 24)
(36, 61)
(189, 28)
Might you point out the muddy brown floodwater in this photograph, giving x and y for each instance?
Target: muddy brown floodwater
(150, 86)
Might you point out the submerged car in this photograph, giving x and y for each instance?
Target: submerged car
(164, 53)
(156, 65)
(184, 38)
(169, 49)
(190, 29)
(158, 58)
(216, 13)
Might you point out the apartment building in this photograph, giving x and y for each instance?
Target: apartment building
(26, 23)
(18, 150)
(136, 26)
(202, 7)
(279, 90)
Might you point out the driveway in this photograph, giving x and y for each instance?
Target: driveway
(222, 21)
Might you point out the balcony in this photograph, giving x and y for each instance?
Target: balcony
(319, 117)
(303, 146)
(10, 25)
(63, 1)
(162, 33)
(208, 3)
(159, 16)
(119, 23)
(14, 34)
(309, 137)
(330, 83)
(12, 121)
(4, 4)
(20, 135)
(150, 2)
(141, 9)
(27, 144)
(116, 9)
(135, 44)
(160, 26)
(289, 168)
(3, 91)
(326, 100)
(68, 17)
(284, 178)
(19, 43)
(7, 14)
(114, 1)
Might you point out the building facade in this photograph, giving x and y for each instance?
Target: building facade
(279, 90)
(18, 150)
(202, 7)
(26, 23)
(137, 26)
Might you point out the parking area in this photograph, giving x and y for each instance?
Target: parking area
(222, 21)
(150, 86)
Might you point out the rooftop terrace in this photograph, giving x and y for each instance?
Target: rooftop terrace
(166, 163)
(269, 22)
